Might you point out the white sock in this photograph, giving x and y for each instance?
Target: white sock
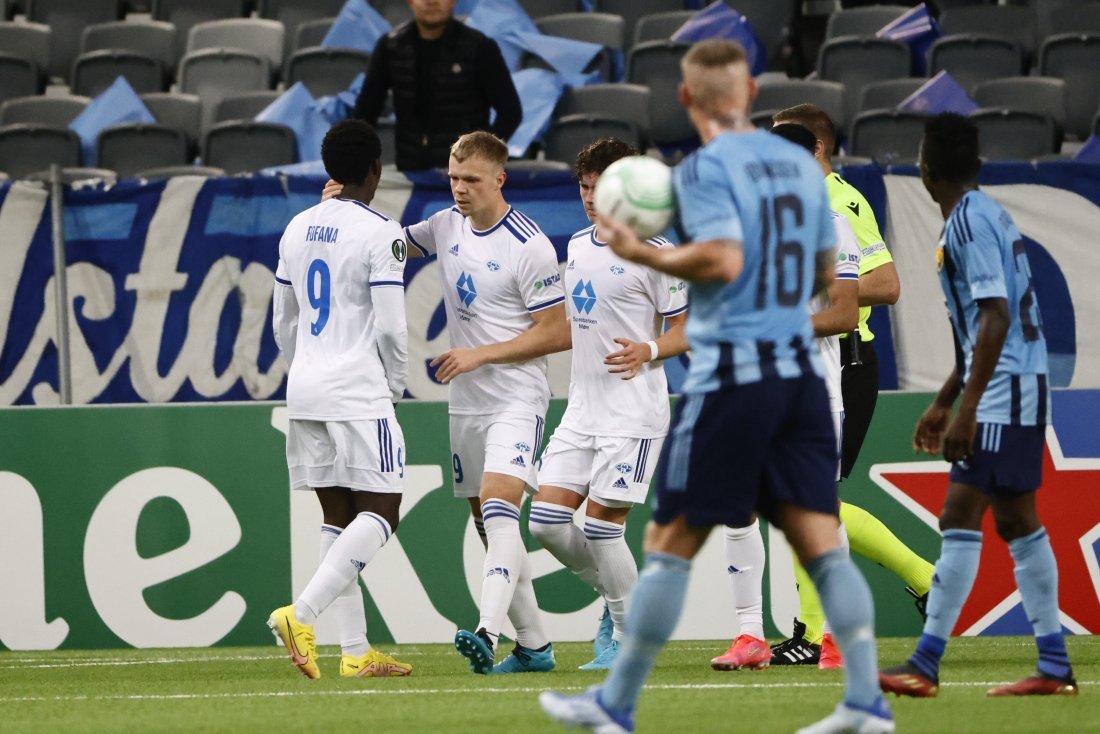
(745, 556)
(553, 526)
(503, 563)
(617, 569)
(524, 610)
(361, 539)
(842, 533)
(347, 609)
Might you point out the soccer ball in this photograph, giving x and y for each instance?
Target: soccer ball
(637, 190)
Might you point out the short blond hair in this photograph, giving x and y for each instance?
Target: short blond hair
(715, 53)
(715, 74)
(483, 145)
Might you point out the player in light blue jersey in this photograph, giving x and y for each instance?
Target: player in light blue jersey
(995, 442)
(753, 432)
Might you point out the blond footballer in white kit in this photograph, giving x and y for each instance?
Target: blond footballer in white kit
(608, 441)
(339, 319)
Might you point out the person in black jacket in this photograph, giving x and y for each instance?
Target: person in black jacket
(445, 78)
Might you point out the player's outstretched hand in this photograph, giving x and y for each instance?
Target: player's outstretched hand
(332, 188)
(928, 436)
(958, 442)
(622, 239)
(455, 362)
(627, 360)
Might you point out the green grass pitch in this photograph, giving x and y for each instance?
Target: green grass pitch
(256, 689)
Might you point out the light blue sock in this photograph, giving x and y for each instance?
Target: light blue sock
(1037, 578)
(952, 580)
(652, 614)
(851, 614)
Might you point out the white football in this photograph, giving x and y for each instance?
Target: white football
(637, 191)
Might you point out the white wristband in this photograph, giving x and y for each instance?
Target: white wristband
(652, 351)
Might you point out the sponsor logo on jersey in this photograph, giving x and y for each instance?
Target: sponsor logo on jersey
(499, 572)
(854, 207)
(541, 283)
(521, 446)
(733, 569)
(677, 288)
(454, 249)
(618, 269)
(518, 461)
(467, 293)
(571, 265)
(358, 564)
(400, 250)
(624, 468)
(620, 483)
(493, 265)
(584, 297)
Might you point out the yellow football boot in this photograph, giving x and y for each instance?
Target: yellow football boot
(375, 664)
(297, 638)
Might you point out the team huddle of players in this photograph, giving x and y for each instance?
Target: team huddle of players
(770, 269)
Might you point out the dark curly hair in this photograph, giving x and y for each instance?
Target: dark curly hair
(350, 150)
(950, 148)
(597, 156)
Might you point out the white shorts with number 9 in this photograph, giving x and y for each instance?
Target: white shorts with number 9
(500, 443)
(366, 455)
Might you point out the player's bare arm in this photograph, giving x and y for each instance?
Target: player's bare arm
(824, 270)
(550, 333)
(880, 286)
(712, 261)
(628, 360)
(842, 315)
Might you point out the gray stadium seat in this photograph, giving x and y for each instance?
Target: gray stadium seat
(862, 21)
(243, 106)
(632, 10)
(217, 73)
(152, 38)
(771, 19)
(67, 20)
(27, 149)
(156, 174)
(326, 71)
(569, 135)
(1014, 23)
(58, 110)
(186, 13)
(1071, 17)
(629, 102)
(395, 12)
(94, 71)
(659, 26)
(1075, 59)
(536, 9)
(312, 33)
(856, 62)
(829, 96)
(888, 94)
(887, 136)
(601, 28)
(1014, 134)
(128, 149)
(181, 112)
(973, 59)
(1044, 95)
(242, 147)
(257, 35)
(531, 167)
(18, 77)
(28, 41)
(292, 13)
(656, 64)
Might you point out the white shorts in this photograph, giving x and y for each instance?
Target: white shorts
(367, 455)
(502, 443)
(615, 472)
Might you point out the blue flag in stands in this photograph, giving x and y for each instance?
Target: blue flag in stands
(358, 26)
(1089, 152)
(939, 94)
(297, 109)
(118, 104)
(718, 20)
(918, 30)
(539, 91)
(504, 21)
(564, 54)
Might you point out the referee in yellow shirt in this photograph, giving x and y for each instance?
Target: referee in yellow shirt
(878, 284)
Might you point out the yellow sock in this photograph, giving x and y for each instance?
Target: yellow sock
(810, 612)
(874, 541)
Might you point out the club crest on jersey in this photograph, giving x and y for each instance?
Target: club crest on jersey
(518, 461)
(624, 468)
(521, 446)
(467, 293)
(493, 265)
(618, 269)
(399, 250)
(584, 297)
(620, 483)
(454, 249)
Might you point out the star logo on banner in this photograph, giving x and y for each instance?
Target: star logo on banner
(1067, 510)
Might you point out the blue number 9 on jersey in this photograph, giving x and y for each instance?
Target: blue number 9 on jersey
(318, 282)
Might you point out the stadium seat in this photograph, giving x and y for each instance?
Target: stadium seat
(67, 20)
(656, 64)
(292, 13)
(973, 59)
(1043, 95)
(28, 41)
(311, 33)
(186, 13)
(155, 39)
(128, 149)
(779, 95)
(632, 10)
(629, 102)
(18, 78)
(216, 73)
(58, 110)
(659, 26)
(156, 174)
(888, 94)
(856, 62)
(536, 9)
(326, 71)
(182, 112)
(27, 148)
(1014, 23)
(243, 147)
(601, 28)
(96, 70)
(862, 21)
(1014, 135)
(569, 135)
(532, 167)
(771, 19)
(395, 12)
(243, 106)
(1071, 17)
(1075, 58)
(887, 136)
(256, 35)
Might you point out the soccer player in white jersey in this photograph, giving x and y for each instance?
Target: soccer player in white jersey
(339, 319)
(835, 311)
(607, 444)
(505, 313)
